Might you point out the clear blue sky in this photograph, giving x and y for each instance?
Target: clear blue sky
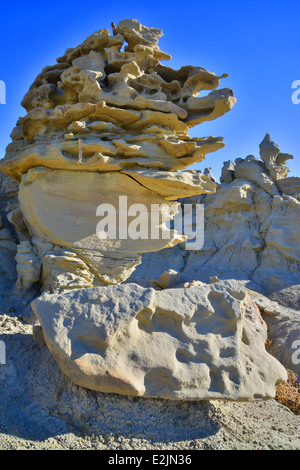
(256, 43)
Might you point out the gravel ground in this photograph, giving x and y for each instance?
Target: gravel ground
(41, 409)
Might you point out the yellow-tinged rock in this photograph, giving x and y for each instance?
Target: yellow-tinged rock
(173, 184)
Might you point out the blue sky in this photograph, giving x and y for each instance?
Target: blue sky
(256, 43)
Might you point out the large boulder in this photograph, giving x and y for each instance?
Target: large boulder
(205, 342)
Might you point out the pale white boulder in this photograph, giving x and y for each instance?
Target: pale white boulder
(205, 342)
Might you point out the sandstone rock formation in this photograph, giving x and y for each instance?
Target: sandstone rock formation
(144, 316)
(8, 243)
(252, 224)
(104, 123)
(283, 334)
(205, 342)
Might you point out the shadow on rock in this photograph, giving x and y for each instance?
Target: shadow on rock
(38, 401)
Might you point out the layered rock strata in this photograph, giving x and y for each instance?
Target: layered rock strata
(104, 122)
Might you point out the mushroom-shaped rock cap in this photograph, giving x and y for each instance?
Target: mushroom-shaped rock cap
(100, 108)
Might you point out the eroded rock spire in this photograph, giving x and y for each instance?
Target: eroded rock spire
(104, 122)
